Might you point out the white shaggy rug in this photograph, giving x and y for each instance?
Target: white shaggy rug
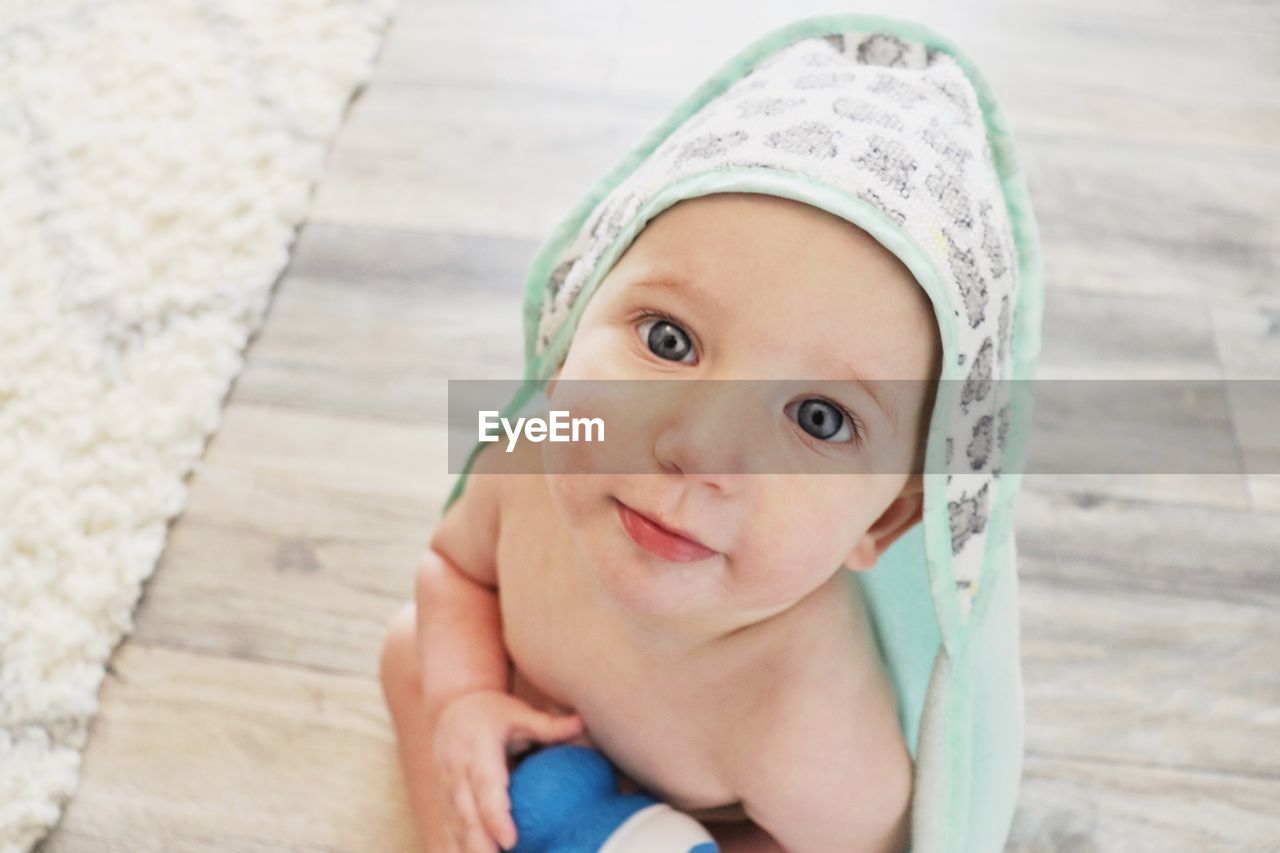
(156, 158)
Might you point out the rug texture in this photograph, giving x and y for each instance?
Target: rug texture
(156, 159)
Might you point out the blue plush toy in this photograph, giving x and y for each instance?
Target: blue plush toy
(565, 799)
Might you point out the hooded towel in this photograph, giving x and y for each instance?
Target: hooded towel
(886, 124)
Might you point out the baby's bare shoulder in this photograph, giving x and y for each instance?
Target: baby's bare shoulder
(505, 498)
(468, 530)
(832, 727)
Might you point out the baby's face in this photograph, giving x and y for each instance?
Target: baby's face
(744, 286)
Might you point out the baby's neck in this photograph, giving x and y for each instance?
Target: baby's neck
(685, 639)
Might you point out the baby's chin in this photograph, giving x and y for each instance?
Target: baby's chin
(677, 606)
(639, 583)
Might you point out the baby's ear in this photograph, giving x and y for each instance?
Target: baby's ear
(899, 517)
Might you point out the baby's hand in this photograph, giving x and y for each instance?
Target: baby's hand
(473, 736)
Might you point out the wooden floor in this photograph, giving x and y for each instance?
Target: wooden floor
(245, 714)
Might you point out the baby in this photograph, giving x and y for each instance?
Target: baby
(729, 669)
(697, 618)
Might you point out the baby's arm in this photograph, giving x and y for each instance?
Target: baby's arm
(459, 637)
(459, 632)
(465, 676)
(459, 623)
(458, 642)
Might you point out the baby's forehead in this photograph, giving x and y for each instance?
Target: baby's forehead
(781, 237)
(793, 265)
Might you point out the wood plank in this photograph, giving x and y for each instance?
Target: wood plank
(500, 162)
(373, 322)
(1072, 805)
(1061, 106)
(301, 535)
(199, 752)
(254, 594)
(1221, 491)
(1123, 336)
(1113, 546)
(566, 45)
(382, 356)
(1090, 336)
(1114, 219)
(1161, 679)
(1147, 632)
(1100, 335)
(426, 263)
(1146, 49)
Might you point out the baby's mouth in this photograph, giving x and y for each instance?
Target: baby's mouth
(658, 540)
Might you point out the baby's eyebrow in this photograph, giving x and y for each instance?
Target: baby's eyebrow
(677, 284)
(871, 387)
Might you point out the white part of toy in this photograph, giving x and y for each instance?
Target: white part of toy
(657, 829)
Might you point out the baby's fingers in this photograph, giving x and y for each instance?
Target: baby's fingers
(489, 785)
(468, 831)
(535, 725)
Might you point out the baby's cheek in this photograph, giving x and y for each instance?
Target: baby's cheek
(771, 578)
(567, 495)
(787, 560)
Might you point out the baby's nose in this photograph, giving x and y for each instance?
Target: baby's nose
(706, 427)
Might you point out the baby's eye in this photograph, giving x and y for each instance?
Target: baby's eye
(826, 421)
(665, 339)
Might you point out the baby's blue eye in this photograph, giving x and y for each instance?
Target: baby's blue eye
(668, 341)
(823, 420)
